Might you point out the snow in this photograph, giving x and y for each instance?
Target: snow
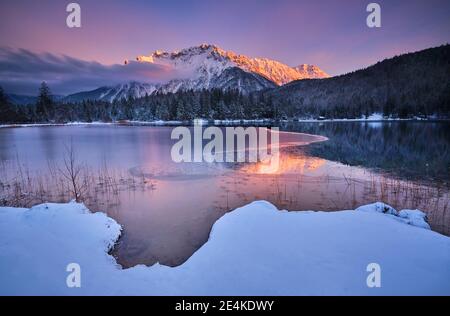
(378, 207)
(374, 117)
(254, 250)
(38, 243)
(215, 122)
(125, 122)
(410, 217)
(206, 61)
(415, 218)
(200, 121)
(311, 71)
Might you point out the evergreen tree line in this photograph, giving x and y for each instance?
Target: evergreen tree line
(207, 104)
(415, 84)
(182, 106)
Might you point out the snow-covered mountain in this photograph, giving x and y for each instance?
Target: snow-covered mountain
(122, 91)
(206, 67)
(232, 78)
(229, 78)
(311, 72)
(210, 60)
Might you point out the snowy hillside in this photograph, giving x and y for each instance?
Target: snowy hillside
(232, 78)
(109, 94)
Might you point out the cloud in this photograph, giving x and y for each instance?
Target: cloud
(22, 71)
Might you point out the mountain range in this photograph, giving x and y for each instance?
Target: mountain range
(206, 67)
(410, 85)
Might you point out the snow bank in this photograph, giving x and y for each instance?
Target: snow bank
(410, 217)
(255, 250)
(37, 244)
(374, 117)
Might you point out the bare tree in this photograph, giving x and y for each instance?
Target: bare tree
(72, 172)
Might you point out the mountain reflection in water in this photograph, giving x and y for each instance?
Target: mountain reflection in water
(167, 209)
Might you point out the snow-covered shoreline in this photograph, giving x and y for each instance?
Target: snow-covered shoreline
(254, 250)
(372, 118)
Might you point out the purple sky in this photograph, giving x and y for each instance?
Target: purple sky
(330, 34)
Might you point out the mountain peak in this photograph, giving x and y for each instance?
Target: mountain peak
(205, 67)
(311, 71)
(211, 59)
(159, 55)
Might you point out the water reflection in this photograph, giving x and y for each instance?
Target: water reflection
(412, 149)
(168, 209)
(289, 163)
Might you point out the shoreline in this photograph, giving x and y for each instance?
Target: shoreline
(219, 122)
(228, 243)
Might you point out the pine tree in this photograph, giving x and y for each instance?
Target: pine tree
(7, 113)
(44, 106)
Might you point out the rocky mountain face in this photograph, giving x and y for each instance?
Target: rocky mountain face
(311, 72)
(206, 67)
(210, 60)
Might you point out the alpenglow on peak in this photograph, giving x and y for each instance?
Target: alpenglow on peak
(210, 59)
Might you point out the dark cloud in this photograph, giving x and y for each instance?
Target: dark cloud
(22, 71)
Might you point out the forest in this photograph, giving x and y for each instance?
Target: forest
(406, 86)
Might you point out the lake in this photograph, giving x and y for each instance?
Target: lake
(167, 209)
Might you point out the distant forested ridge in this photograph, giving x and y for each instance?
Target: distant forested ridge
(415, 84)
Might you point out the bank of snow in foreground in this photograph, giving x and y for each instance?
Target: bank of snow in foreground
(255, 250)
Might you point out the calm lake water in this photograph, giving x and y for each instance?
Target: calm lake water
(167, 209)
